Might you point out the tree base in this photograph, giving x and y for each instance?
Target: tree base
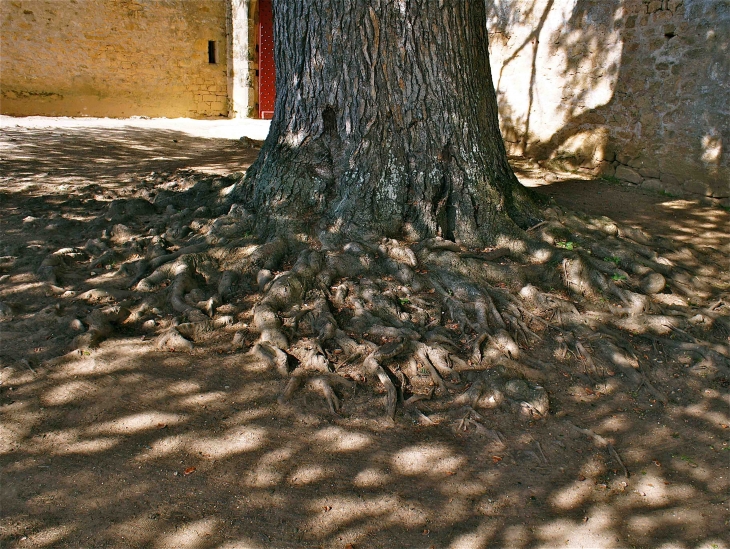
(430, 330)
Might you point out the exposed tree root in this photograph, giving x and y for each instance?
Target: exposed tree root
(601, 443)
(421, 322)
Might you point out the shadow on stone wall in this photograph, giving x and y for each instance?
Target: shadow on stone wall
(626, 88)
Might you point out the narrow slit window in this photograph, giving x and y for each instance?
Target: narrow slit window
(212, 52)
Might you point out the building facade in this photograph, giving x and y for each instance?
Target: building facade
(120, 58)
(633, 89)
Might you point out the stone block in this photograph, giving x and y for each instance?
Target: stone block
(649, 173)
(636, 163)
(655, 5)
(660, 16)
(674, 5)
(606, 168)
(653, 185)
(628, 174)
(623, 158)
(696, 187)
(670, 180)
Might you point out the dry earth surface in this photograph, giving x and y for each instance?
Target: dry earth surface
(109, 439)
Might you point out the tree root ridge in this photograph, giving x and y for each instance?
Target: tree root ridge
(428, 325)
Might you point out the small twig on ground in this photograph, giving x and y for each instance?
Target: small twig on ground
(26, 363)
(602, 443)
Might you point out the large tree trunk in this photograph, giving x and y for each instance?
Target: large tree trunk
(385, 124)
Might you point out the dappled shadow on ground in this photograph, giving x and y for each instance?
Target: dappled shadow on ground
(116, 157)
(132, 447)
(689, 221)
(125, 445)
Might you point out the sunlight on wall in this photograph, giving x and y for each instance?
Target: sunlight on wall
(101, 58)
(635, 89)
(577, 61)
(712, 147)
(587, 147)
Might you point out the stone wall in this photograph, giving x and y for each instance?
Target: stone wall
(113, 58)
(636, 89)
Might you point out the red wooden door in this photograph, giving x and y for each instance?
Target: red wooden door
(267, 71)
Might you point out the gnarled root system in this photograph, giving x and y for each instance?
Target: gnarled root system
(428, 325)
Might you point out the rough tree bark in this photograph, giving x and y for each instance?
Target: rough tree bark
(383, 174)
(385, 125)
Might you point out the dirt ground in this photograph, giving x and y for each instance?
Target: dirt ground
(126, 445)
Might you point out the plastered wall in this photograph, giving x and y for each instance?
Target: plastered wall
(113, 58)
(634, 89)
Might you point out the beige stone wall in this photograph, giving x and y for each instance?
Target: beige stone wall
(636, 89)
(113, 58)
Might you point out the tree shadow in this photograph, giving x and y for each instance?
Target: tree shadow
(129, 446)
(66, 155)
(619, 83)
(132, 447)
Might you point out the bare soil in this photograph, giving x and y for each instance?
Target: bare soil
(111, 439)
